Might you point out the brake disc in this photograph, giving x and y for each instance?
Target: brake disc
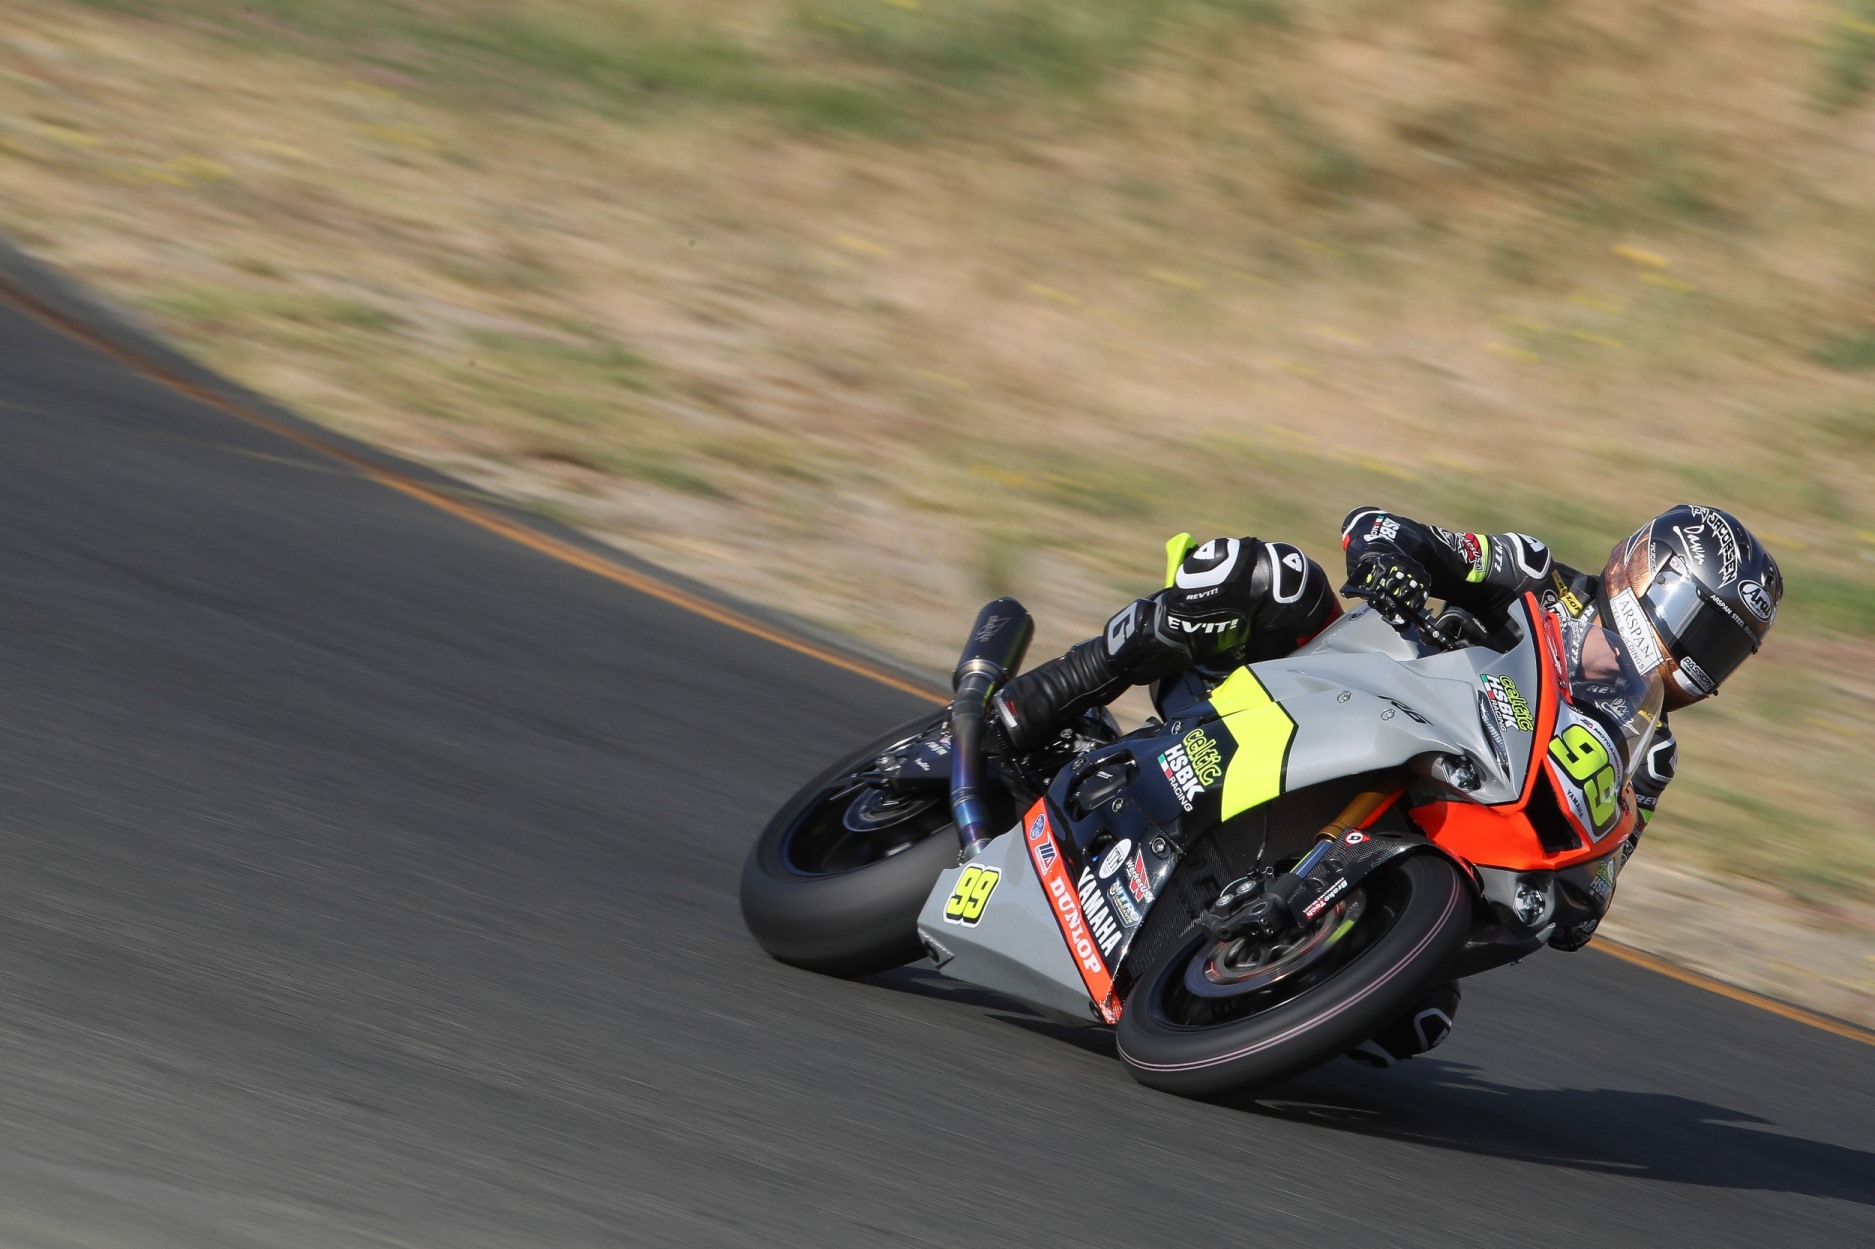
(1250, 964)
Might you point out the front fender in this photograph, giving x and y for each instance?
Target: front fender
(1357, 855)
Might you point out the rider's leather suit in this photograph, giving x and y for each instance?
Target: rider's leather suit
(1238, 600)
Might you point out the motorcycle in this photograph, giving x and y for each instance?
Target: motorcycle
(1256, 881)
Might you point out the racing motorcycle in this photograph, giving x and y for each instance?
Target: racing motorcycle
(1256, 881)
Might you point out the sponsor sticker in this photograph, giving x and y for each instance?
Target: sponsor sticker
(1116, 856)
(1321, 904)
(1100, 919)
(1690, 669)
(1205, 758)
(1129, 914)
(1496, 735)
(1385, 528)
(1066, 903)
(1474, 551)
(1138, 879)
(1508, 703)
(1181, 775)
(1631, 623)
(1353, 837)
(1565, 595)
(1602, 884)
(1757, 600)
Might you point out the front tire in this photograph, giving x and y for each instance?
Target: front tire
(819, 895)
(1417, 915)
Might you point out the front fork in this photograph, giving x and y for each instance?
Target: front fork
(1343, 855)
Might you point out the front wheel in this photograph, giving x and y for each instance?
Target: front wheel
(1223, 1017)
(837, 879)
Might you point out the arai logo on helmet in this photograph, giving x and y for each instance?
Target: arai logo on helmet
(1115, 857)
(1758, 600)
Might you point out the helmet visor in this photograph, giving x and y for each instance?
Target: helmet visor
(1696, 626)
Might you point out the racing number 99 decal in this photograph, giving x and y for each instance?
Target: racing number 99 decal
(972, 894)
(1582, 755)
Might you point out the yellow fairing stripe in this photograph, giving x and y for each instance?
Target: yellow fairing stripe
(1176, 549)
(1263, 731)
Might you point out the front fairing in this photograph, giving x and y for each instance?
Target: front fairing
(1360, 701)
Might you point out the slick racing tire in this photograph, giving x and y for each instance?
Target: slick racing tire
(820, 895)
(1414, 915)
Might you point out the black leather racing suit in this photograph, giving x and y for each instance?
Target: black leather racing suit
(1232, 601)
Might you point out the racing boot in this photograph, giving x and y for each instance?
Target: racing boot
(1421, 1028)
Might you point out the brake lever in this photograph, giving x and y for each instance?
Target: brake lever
(1420, 618)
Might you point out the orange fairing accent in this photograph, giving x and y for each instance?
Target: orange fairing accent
(1502, 835)
(1549, 671)
(1051, 867)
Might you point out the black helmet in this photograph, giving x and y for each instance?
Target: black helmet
(1691, 591)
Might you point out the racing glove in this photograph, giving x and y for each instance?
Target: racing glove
(1395, 584)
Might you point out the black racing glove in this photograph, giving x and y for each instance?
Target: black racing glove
(1394, 583)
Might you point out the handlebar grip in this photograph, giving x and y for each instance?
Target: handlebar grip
(1420, 618)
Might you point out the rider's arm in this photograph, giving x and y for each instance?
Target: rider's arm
(1650, 779)
(1230, 595)
(1474, 570)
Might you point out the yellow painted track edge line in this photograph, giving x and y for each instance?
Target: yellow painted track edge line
(598, 565)
(442, 499)
(1711, 984)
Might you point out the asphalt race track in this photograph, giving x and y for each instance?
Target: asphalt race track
(370, 880)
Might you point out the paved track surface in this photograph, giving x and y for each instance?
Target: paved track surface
(371, 881)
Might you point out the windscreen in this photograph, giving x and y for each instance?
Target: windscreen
(1606, 683)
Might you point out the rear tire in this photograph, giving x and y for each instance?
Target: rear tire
(1417, 921)
(819, 898)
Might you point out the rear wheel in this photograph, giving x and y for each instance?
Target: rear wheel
(837, 879)
(1220, 1017)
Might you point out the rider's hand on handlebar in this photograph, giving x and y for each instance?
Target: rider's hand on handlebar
(1393, 583)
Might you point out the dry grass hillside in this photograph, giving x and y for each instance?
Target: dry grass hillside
(870, 308)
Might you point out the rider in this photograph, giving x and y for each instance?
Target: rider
(1690, 593)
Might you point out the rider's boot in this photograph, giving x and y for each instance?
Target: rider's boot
(1420, 1028)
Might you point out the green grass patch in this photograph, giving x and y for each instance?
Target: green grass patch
(867, 67)
(1827, 601)
(225, 308)
(1847, 48)
(1848, 351)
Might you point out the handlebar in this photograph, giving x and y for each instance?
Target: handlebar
(1401, 618)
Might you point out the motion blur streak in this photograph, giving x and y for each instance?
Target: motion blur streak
(371, 880)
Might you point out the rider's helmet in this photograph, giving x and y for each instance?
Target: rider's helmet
(1693, 593)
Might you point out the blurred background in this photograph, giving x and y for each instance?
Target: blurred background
(870, 309)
